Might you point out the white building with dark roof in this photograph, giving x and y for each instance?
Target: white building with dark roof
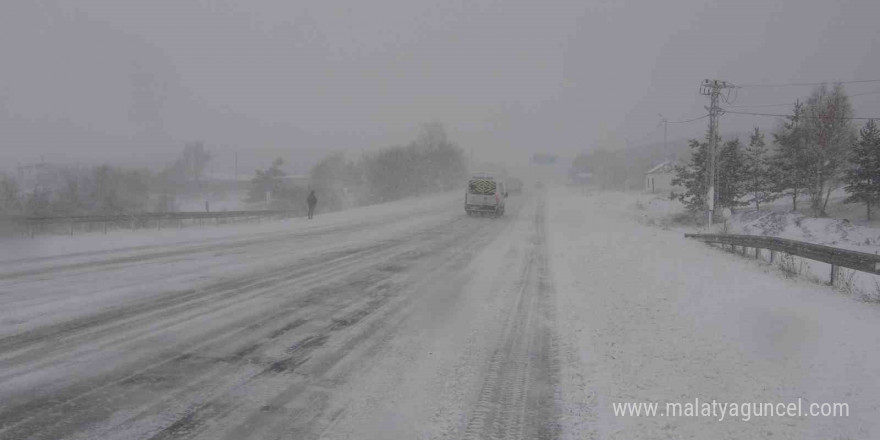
(659, 178)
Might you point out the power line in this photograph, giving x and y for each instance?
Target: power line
(785, 116)
(787, 104)
(688, 120)
(808, 84)
(875, 92)
(665, 121)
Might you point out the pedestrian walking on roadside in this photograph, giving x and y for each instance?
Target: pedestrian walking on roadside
(312, 201)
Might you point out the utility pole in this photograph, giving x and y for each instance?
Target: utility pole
(712, 88)
(665, 123)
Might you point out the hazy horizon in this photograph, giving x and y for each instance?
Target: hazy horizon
(130, 83)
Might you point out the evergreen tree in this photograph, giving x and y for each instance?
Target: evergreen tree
(730, 175)
(758, 184)
(789, 160)
(269, 181)
(692, 177)
(863, 176)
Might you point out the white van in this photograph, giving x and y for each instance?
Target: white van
(485, 195)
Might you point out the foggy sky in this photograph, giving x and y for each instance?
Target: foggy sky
(130, 82)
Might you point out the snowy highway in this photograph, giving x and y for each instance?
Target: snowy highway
(267, 334)
(412, 320)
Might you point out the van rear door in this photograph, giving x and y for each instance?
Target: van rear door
(481, 192)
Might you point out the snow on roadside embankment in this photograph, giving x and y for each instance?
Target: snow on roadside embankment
(777, 220)
(647, 316)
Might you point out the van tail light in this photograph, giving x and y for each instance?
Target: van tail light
(496, 198)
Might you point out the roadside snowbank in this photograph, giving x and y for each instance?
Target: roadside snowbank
(844, 228)
(777, 220)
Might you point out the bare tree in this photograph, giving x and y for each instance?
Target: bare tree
(195, 159)
(829, 135)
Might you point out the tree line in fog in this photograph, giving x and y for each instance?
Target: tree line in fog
(431, 162)
(816, 149)
(102, 189)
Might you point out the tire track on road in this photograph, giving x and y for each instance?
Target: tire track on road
(308, 373)
(517, 399)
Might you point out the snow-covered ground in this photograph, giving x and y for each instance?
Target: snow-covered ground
(646, 315)
(845, 227)
(411, 320)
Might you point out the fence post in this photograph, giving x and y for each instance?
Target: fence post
(71, 228)
(834, 270)
(158, 224)
(105, 227)
(757, 253)
(772, 255)
(31, 229)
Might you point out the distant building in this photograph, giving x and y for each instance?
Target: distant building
(659, 178)
(581, 177)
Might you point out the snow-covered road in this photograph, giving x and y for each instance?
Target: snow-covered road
(387, 321)
(411, 320)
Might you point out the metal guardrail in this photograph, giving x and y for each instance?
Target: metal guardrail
(836, 257)
(150, 216)
(137, 219)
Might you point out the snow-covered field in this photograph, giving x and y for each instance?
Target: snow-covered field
(411, 320)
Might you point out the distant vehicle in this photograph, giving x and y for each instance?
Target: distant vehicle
(485, 196)
(514, 185)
